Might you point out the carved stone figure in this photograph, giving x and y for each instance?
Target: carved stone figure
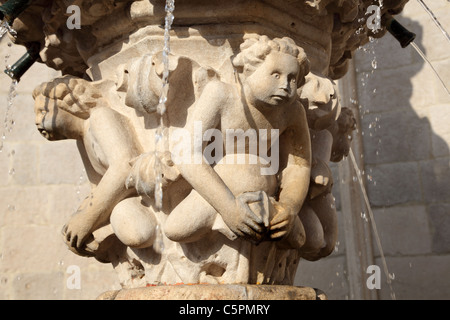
(252, 120)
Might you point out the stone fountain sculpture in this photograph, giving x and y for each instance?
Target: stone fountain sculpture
(251, 121)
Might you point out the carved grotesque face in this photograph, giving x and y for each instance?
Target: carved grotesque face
(274, 82)
(50, 119)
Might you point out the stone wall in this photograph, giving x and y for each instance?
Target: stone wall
(405, 134)
(406, 140)
(41, 184)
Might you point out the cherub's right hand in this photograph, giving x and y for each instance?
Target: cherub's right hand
(243, 221)
(76, 232)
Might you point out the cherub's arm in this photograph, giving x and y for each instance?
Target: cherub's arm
(207, 112)
(295, 157)
(114, 137)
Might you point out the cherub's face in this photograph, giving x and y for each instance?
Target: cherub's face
(50, 119)
(274, 82)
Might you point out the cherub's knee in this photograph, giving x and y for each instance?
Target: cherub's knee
(315, 237)
(133, 224)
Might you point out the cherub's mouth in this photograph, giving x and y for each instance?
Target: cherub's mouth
(280, 97)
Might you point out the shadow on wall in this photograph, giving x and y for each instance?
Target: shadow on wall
(404, 121)
(404, 112)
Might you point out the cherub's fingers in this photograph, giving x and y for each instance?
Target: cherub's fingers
(278, 234)
(64, 230)
(279, 217)
(249, 233)
(68, 237)
(279, 225)
(73, 241)
(249, 197)
(256, 227)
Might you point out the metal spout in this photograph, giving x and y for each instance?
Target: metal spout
(403, 35)
(17, 70)
(11, 9)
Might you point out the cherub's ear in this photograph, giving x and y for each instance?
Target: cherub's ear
(304, 71)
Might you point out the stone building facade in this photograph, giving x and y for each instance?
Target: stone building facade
(404, 137)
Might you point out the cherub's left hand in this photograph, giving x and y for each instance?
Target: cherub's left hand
(283, 221)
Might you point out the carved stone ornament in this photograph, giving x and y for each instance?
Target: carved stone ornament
(252, 121)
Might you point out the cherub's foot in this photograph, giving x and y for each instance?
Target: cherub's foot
(220, 226)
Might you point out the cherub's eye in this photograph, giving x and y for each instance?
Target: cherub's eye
(276, 75)
(43, 112)
(293, 80)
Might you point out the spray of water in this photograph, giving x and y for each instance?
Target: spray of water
(389, 276)
(424, 57)
(160, 136)
(8, 122)
(4, 28)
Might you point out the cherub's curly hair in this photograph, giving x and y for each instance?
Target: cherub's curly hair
(77, 97)
(255, 49)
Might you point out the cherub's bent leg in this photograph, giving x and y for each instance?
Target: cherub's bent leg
(315, 240)
(194, 216)
(133, 223)
(324, 207)
(190, 220)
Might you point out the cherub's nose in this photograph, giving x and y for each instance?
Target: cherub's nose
(284, 84)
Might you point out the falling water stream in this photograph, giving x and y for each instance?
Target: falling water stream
(435, 20)
(424, 57)
(4, 28)
(8, 122)
(389, 276)
(161, 138)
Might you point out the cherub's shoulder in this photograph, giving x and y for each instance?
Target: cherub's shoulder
(297, 113)
(218, 89)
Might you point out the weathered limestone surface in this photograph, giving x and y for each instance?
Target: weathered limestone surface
(215, 292)
(220, 221)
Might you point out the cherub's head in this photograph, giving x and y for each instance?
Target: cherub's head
(273, 70)
(57, 115)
